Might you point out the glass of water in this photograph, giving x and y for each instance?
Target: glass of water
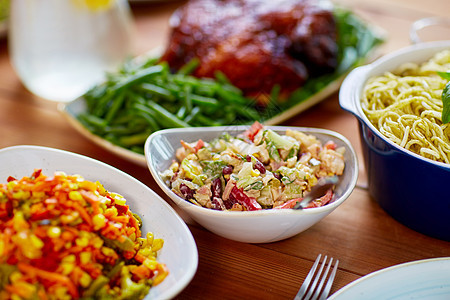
(61, 48)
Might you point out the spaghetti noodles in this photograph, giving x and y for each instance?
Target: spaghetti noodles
(406, 106)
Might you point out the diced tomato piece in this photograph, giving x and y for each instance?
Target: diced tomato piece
(6, 210)
(330, 145)
(121, 209)
(193, 149)
(200, 144)
(288, 204)
(10, 178)
(325, 199)
(253, 130)
(42, 215)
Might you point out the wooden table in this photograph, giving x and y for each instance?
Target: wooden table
(359, 233)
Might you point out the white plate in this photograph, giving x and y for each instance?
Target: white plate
(424, 279)
(179, 252)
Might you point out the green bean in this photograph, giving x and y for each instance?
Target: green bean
(95, 286)
(141, 75)
(124, 118)
(116, 269)
(206, 101)
(230, 96)
(92, 97)
(181, 112)
(165, 117)
(189, 67)
(206, 90)
(248, 113)
(99, 109)
(135, 139)
(221, 77)
(157, 91)
(187, 98)
(275, 93)
(150, 119)
(116, 105)
(195, 111)
(205, 121)
(229, 115)
(183, 80)
(92, 120)
(142, 108)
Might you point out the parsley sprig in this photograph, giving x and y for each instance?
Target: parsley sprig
(445, 98)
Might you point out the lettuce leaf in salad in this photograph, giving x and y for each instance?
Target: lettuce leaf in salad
(193, 171)
(293, 191)
(280, 142)
(213, 168)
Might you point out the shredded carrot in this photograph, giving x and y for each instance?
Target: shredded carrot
(92, 199)
(51, 276)
(63, 232)
(141, 272)
(140, 258)
(83, 213)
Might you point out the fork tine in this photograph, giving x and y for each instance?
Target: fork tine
(322, 281)
(302, 291)
(327, 288)
(316, 279)
(309, 284)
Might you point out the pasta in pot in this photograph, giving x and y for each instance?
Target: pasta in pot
(406, 106)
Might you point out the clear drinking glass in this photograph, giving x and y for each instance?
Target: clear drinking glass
(60, 48)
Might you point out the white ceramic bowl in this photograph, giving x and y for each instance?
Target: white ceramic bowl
(261, 226)
(179, 252)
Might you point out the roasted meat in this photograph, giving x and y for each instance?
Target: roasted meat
(255, 43)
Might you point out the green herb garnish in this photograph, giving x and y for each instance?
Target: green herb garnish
(445, 98)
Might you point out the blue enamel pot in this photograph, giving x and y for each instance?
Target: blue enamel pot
(412, 189)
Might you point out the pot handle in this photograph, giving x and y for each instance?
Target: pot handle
(439, 24)
(351, 88)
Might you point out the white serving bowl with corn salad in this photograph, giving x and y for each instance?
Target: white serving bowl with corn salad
(254, 204)
(74, 227)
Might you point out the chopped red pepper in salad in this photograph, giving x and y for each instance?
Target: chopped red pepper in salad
(258, 169)
(64, 237)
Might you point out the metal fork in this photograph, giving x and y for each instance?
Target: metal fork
(309, 286)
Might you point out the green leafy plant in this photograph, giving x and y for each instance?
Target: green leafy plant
(445, 98)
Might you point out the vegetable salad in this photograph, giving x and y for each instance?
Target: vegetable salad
(64, 237)
(259, 169)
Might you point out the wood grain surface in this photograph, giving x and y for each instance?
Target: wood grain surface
(359, 233)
